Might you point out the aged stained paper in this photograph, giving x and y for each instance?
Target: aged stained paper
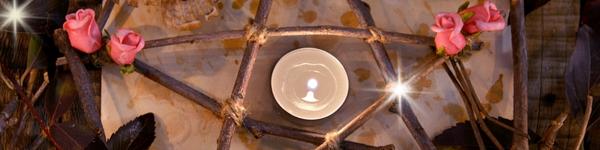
(211, 67)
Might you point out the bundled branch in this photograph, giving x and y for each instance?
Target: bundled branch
(547, 141)
(475, 110)
(28, 101)
(519, 45)
(235, 111)
(586, 119)
(82, 80)
(384, 63)
(257, 128)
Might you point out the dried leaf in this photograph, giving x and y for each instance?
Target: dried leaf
(96, 144)
(62, 96)
(127, 69)
(137, 134)
(72, 136)
(463, 6)
(577, 74)
(35, 55)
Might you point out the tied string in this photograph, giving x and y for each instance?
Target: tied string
(376, 35)
(332, 140)
(256, 34)
(235, 110)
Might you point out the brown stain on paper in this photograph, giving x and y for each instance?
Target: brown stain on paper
(290, 3)
(380, 84)
(423, 29)
(367, 136)
(438, 98)
(494, 95)
(148, 87)
(296, 44)
(362, 74)
(349, 19)
(245, 138)
(233, 45)
(308, 16)
(324, 42)
(420, 85)
(254, 6)
(456, 112)
(238, 4)
(316, 2)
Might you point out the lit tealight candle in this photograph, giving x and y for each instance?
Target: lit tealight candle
(310, 94)
(309, 83)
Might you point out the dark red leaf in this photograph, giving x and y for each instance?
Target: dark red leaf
(577, 74)
(72, 136)
(61, 97)
(137, 134)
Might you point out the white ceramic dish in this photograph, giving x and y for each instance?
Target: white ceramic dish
(309, 83)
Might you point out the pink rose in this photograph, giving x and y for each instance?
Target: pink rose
(83, 31)
(124, 45)
(486, 17)
(448, 37)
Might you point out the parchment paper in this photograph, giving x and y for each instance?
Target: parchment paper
(211, 67)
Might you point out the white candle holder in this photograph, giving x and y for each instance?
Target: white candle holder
(309, 83)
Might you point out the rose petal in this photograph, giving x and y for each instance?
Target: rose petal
(491, 26)
(124, 46)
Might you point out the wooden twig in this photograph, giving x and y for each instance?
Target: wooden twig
(471, 100)
(480, 107)
(22, 122)
(358, 121)
(177, 86)
(384, 63)
(82, 82)
(244, 74)
(36, 115)
(195, 37)
(349, 32)
(584, 124)
(7, 112)
(105, 13)
(5, 79)
(549, 137)
(296, 31)
(463, 94)
(257, 128)
(41, 89)
(519, 45)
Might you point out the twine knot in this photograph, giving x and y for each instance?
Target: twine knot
(257, 34)
(332, 140)
(376, 35)
(235, 110)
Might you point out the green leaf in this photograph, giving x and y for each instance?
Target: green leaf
(105, 34)
(466, 15)
(475, 36)
(127, 69)
(464, 6)
(34, 60)
(440, 51)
